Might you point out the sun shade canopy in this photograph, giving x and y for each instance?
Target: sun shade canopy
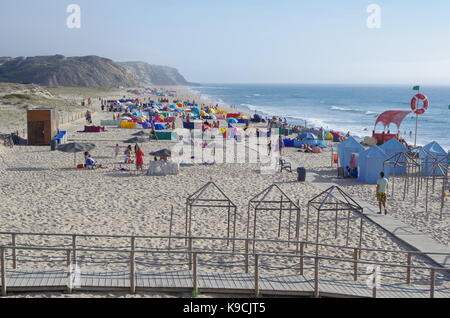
(392, 117)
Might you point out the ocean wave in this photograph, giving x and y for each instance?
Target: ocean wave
(353, 110)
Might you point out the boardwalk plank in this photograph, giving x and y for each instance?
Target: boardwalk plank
(286, 284)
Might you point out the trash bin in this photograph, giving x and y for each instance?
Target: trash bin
(53, 145)
(301, 172)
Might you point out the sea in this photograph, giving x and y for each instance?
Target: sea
(343, 108)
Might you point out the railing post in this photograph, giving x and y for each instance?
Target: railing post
(69, 272)
(432, 282)
(74, 249)
(408, 269)
(302, 248)
(190, 253)
(355, 264)
(316, 277)
(132, 268)
(256, 275)
(3, 270)
(68, 258)
(13, 243)
(246, 256)
(194, 274)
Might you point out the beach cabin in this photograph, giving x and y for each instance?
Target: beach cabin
(346, 149)
(393, 147)
(42, 125)
(370, 164)
(433, 159)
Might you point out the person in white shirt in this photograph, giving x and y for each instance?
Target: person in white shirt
(382, 186)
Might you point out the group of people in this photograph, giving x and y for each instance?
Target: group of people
(138, 154)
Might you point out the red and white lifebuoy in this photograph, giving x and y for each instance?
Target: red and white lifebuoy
(415, 101)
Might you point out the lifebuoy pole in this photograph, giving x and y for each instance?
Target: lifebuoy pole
(417, 125)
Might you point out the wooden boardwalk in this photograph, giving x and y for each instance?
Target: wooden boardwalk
(232, 283)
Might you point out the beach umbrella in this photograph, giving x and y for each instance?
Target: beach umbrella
(232, 121)
(137, 140)
(74, 148)
(163, 153)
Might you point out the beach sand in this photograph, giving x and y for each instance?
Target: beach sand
(41, 192)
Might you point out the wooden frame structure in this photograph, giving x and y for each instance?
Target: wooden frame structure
(260, 203)
(334, 200)
(414, 176)
(198, 200)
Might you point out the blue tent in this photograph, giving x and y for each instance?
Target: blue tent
(308, 136)
(370, 164)
(346, 149)
(430, 155)
(393, 147)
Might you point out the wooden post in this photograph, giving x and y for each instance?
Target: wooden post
(256, 275)
(68, 258)
(190, 253)
(316, 277)
(194, 273)
(374, 282)
(74, 248)
(432, 282)
(355, 264)
(246, 256)
(3, 270)
(13, 243)
(408, 269)
(302, 248)
(69, 272)
(170, 227)
(132, 268)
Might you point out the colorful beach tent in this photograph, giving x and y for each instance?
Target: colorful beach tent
(307, 136)
(433, 158)
(370, 164)
(346, 149)
(393, 147)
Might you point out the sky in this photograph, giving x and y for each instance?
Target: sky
(245, 41)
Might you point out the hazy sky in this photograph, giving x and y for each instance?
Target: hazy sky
(245, 41)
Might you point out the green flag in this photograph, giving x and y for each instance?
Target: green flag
(416, 88)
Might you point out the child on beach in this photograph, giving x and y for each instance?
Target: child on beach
(128, 154)
(116, 150)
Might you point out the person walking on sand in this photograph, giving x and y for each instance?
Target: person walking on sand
(382, 185)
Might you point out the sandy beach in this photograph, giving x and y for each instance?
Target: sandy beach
(41, 192)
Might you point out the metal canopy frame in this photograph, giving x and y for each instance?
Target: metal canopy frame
(334, 200)
(197, 200)
(415, 177)
(259, 203)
